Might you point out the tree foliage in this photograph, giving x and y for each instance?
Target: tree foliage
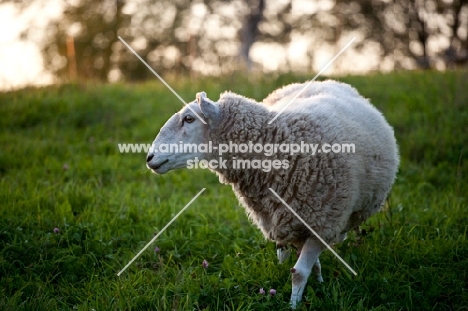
(216, 37)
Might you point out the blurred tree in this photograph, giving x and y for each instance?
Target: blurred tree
(423, 32)
(209, 36)
(177, 36)
(93, 25)
(250, 29)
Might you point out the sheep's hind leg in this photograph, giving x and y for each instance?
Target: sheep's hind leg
(303, 267)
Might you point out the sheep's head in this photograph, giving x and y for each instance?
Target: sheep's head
(184, 127)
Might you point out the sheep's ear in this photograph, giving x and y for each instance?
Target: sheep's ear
(209, 109)
(200, 95)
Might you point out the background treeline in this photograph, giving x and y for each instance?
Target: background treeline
(216, 37)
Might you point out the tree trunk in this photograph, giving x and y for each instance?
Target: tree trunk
(250, 30)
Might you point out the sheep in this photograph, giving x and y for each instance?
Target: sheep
(332, 192)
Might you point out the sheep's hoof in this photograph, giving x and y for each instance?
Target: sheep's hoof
(294, 302)
(282, 254)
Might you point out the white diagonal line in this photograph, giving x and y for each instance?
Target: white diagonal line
(310, 82)
(162, 230)
(160, 78)
(312, 230)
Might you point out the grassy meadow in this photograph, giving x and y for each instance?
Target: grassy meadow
(74, 211)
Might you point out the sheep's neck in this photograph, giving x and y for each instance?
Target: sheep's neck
(244, 128)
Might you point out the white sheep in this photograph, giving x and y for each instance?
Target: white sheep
(332, 192)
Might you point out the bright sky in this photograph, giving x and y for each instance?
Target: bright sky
(20, 60)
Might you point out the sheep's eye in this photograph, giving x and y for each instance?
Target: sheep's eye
(189, 119)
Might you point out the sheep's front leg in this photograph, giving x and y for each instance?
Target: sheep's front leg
(300, 272)
(283, 254)
(318, 270)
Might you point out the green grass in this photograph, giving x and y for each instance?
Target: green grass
(60, 168)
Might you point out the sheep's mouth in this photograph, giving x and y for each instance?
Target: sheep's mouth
(160, 164)
(155, 167)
